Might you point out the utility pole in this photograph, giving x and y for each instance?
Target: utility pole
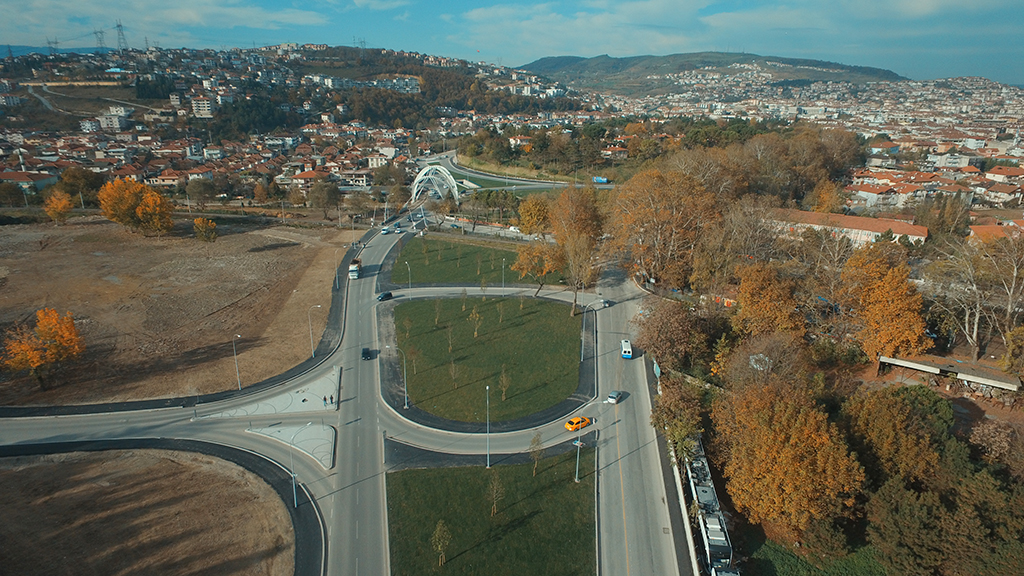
(122, 44)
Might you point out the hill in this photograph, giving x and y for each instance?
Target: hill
(640, 75)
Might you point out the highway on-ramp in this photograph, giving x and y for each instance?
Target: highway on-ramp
(337, 452)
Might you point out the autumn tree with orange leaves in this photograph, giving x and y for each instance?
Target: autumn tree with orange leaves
(538, 260)
(53, 341)
(154, 213)
(135, 206)
(58, 206)
(576, 222)
(658, 217)
(533, 215)
(785, 463)
(886, 305)
(766, 302)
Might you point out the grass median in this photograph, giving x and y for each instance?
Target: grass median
(533, 342)
(433, 260)
(544, 524)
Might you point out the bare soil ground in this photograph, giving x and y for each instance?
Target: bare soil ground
(140, 512)
(158, 315)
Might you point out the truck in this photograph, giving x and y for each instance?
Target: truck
(600, 180)
(354, 267)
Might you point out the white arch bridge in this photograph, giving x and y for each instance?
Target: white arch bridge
(437, 179)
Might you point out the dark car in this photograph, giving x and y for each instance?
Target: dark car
(366, 354)
(456, 226)
(385, 296)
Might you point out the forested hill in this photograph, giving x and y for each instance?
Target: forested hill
(639, 75)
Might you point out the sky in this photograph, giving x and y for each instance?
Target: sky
(919, 39)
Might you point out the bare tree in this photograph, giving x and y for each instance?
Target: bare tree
(413, 353)
(536, 451)
(453, 370)
(407, 324)
(483, 288)
(479, 262)
(437, 311)
(450, 330)
(463, 296)
(956, 281)
(458, 255)
(440, 540)
(501, 312)
(495, 491)
(426, 252)
(477, 320)
(504, 381)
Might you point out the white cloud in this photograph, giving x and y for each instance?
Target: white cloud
(39, 19)
(380, 4)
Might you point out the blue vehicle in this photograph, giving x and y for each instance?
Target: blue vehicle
(627, 349)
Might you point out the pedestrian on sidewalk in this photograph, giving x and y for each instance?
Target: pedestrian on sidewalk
(332, 399)
(325, 401)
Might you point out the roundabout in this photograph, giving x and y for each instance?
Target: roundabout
(346, 485)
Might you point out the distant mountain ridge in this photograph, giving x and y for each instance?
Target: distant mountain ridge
(647, 74)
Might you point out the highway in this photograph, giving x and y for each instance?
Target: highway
(337, 455)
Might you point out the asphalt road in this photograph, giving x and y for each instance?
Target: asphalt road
(635, 532)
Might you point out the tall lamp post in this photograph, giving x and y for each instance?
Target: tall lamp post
(310, 320)
(502, 277)
(585, 323)
(234, 352)
(405, 373)
(410, 273)
(337, 279)
(579, 444)
(488, 426)
(291, 454)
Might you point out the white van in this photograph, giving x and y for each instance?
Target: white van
(627, 349)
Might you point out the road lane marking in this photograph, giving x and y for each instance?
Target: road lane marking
(622, 487)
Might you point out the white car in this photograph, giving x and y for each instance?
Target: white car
(385, 231)
(514, 229)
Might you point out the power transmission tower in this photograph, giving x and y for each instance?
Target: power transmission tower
(147, 43)
(100, 47)
(122, 44)
(10, 53)
(53, 45)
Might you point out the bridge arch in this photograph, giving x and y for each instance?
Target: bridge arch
(435, 178)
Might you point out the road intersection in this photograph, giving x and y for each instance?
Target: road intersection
(336, 452)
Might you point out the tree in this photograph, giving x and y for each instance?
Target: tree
(205, 229)
(57, 206)
(677, 412)
(54, 340)
(577, 226)
(536, 451)
(11, 195)
(438, 305)
(324, 195)
(440, 540)
(538, 260)
(261, 194)
(450, 330)
(118, 200)
(533, 215)
(407, 324)
(675, 335)
(495, 491)
(476, 320)
(890, 438)
(886, 304)
(1012, 362)
(201, 191)
(463, 295)
(1004, 278)
(659, 217)
(826, 197)
(504, 382)
(153, 213)
(766, 302)
(76, 181)
(453, 371)
(785, 462)
(957, 285)
(413, 353)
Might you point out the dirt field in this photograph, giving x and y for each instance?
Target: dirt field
(158, 314)
(140, 512)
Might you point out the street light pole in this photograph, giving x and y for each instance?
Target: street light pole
(337, 280)
(291, 455)
(410, 273)
(234, 352)
(578, 444)
(405, 373)
(488, 426)
(502, 277)
(312, 350)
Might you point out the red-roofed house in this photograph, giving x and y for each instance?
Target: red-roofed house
(1004, 173)
(858, 229)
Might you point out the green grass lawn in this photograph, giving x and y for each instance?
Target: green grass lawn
(538, 346)
(453, 262)
(773, 559)
(544, 525)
